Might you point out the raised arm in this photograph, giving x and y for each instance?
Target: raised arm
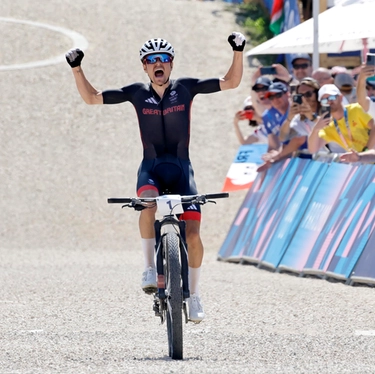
(233, 77)
(89, 94)
(364, 73)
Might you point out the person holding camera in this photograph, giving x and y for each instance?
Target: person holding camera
(366, 71)
(349, 126)
(303, 112)
(259, 133)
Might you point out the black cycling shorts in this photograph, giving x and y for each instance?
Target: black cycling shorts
(172, 175)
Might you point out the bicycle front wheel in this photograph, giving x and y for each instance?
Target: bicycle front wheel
(174, 295)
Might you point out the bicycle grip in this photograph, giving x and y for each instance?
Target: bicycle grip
(119, 200)
(217, 195)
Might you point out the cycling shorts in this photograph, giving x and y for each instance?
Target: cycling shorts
(172, 175)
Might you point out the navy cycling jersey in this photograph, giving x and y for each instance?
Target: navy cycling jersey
(164, 122)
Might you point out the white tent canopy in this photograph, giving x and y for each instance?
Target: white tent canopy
(345, 27)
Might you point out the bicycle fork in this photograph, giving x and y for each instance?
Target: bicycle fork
(160, 297)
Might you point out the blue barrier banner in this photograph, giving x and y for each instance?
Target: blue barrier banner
(356, 233)
(305, 181)
(278, 190)
(340, 218)
(232, 248)
(364, 271)
(315, 217)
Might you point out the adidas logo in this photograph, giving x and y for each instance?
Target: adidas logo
(192, 207)
(151, 100)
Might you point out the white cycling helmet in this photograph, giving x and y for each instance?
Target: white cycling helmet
(155, 46)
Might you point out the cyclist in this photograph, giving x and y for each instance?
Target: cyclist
(163, 109)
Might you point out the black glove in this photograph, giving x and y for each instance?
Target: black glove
(74, 57)
(237, 41)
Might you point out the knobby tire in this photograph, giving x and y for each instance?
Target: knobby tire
(174, 298)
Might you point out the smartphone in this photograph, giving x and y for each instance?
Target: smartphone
(248, 114)
(293, 88)
(370, 59)
(268, 70)
(297, 98)
(325, 110)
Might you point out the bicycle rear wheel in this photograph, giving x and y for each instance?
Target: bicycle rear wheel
(174, 295)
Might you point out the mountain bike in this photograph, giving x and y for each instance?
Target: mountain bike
(171, 260)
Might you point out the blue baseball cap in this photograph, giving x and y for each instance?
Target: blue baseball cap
(262, 81)
(276, 88)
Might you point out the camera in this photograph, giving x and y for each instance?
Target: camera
(370, 59)
(297, 98)
(325, 110)
(248, 114)
(268, 70)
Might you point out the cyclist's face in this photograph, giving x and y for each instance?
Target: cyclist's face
(159, 71)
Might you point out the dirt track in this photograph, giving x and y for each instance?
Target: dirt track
(71, 264)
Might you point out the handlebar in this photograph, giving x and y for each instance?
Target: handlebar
(142, 201)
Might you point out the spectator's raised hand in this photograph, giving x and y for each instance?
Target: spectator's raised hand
(350, 157)
(294, 109)
(366, 71)
(322, 122)
(305, 108)
(282, 72)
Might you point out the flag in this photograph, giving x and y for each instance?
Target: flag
(277, 16)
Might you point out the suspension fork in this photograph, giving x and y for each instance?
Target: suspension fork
(159, 261)
(184, 260)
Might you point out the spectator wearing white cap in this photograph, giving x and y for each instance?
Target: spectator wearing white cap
(364, 100)
(346, 85)
(258, 133)
(349, 126)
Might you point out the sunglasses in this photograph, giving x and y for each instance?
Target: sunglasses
(329, 98)
(276, 96)
(300, 66)
(260, 89)
(162, 57)
(308, 94)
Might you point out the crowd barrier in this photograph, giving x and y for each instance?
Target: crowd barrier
(308, 217)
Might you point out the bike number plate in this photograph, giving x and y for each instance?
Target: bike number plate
(169, 204)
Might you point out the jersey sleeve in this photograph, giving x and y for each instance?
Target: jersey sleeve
(117, 96)
(200, 86)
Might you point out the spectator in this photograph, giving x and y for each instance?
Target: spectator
(259, 133)
(302, 117)
(370, 88)
(302, 68)
(259, 100)
(337, 70)
(364, 100)
(346, 85)
(323, 76)
(351, 127)
(273, 118)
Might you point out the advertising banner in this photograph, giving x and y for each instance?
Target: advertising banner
(243, 170)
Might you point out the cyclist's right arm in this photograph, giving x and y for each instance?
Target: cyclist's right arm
(88, 93)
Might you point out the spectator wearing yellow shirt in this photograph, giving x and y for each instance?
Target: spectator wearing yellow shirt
(349, 126)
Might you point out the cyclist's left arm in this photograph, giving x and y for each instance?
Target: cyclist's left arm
(233, 77)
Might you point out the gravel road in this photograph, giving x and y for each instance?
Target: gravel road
(71, 265)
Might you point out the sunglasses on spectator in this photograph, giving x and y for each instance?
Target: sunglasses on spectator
(260, 89)
(162, 57)
(329, 98)
(370, 88)
(307, 94)
(300, 66)
(276, 96)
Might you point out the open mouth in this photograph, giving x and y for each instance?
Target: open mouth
(159, 73)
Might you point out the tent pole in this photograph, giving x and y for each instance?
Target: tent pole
(315, 59)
